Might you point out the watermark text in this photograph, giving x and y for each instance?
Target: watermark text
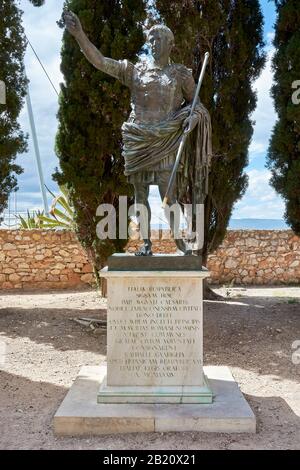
(2, 92)
(296, 94)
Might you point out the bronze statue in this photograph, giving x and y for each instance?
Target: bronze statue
(161, 98)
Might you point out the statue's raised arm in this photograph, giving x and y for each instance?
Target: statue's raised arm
(115, 68)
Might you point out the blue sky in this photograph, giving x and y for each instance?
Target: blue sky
(260, 200)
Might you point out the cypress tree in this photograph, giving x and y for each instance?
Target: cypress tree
(284, 149)
(12, 139)
(232, 31)
(92, 108)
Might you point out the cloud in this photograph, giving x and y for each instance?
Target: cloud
(45, 36)
(257, 148)
(264, 114)
(260, 201)
(270, 38)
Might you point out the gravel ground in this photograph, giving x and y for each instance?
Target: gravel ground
(42, 349)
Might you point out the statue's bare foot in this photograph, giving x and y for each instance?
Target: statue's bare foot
(146, 250)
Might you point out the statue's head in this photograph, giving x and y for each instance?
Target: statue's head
(161, 40)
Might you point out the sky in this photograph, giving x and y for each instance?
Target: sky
(260, 200)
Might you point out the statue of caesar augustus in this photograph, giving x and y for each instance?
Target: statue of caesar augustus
(161, 97)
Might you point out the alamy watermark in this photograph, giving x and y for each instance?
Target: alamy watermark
(296, 94)
(296, 352)
(114, 222)
(2, 92)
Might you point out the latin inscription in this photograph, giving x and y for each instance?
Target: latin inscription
(154, 333)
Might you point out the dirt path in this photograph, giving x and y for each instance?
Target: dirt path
(42, 349)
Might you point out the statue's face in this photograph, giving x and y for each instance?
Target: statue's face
(160, 45)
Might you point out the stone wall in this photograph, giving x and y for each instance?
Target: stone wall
(48, 259)
(42, 260)
(261, 257)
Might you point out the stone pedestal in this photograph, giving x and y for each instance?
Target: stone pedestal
(154, 333)
(154, 380)
(81, 415)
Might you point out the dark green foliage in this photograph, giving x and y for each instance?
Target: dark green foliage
(93, 107)
(232, 31)
(12, 139)
(284, 150)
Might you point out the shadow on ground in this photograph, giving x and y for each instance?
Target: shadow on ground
(27, 409)
(252, 335)
(255, 333)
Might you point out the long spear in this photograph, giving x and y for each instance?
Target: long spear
(185, 134)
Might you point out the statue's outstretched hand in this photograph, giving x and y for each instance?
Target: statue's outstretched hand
(72, 22)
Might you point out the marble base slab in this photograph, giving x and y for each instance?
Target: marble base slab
(81, 415)
(172, 394)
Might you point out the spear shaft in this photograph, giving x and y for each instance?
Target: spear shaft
(185, 134)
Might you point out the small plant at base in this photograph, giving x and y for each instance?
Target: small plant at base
(31, 221)
(62, 217)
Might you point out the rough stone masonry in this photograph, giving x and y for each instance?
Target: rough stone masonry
(46, 259)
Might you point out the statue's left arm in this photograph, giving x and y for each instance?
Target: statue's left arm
(188, 91)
